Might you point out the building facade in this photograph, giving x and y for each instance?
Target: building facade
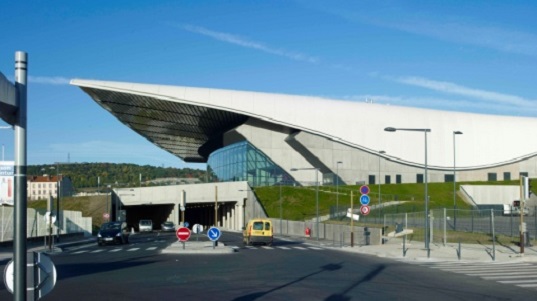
(267, 139)
(46, 186)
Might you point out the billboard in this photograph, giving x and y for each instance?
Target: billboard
(7, 182)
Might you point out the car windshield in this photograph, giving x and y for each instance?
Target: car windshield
(145, 222)
(168, 224)
(110, 226)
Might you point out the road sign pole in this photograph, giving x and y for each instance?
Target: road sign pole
(19, 221)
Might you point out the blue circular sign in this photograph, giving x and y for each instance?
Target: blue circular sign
(364, 189)
(213, 233)
(187, 224)
(364, 199)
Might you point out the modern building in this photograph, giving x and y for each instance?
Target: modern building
(268, 139)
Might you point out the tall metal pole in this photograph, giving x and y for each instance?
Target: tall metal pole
(454, 183)
(317, 199)
(216, 206)
(21, 194)
(337, 188)
(380, 152)
(281, 211)
(426, 199)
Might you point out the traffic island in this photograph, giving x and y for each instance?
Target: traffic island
(197, 247)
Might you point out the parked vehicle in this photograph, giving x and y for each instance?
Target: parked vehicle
(514, 209)
(167, 226)
(258, 231)
(113, 232)
(145, 225)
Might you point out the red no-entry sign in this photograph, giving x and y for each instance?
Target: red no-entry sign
(183, 234)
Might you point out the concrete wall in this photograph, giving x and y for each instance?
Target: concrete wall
(489, 194)
(71, 222)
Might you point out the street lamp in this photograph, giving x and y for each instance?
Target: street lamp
(380, 153)
(454, 182)
(337, 188)
(316, 193)
(425, 131)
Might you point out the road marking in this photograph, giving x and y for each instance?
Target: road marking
(133, 249)
(116, 250)
(151, 248)
(267, 247)
(284, 248)
(315, 248)
(300, 248)
(80, 252)
(97, 251)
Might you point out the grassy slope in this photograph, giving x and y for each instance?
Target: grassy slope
(299, 202)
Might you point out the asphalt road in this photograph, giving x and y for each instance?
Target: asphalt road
(290, 270)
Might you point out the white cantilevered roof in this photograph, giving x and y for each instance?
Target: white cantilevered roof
(188, 122)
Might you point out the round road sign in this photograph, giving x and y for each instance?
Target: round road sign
(183, 234)
(364, 189)
(364, 199)
(197, 228)
(365, 210)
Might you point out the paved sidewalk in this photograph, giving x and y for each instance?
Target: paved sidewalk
(416, 251)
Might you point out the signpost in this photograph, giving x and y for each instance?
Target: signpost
(183, 234)
(214, 234)
(44, 276)
(197, 228)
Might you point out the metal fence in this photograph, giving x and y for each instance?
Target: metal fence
(450, 225)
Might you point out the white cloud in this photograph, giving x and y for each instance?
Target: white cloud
(55, 80)
(452, 88)
(243, 42)
(435, 103)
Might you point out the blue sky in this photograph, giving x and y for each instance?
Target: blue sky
(468, 56)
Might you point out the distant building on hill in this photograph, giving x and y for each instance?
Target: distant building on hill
(45, 186)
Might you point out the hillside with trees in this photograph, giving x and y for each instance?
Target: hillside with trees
(86, 175)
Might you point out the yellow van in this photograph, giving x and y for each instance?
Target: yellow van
(258, 231)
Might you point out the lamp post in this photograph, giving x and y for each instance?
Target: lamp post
(380, 153)
(316, 194)
(454, 182)
(337, 188)
(425, 131)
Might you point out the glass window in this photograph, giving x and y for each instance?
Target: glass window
(398, 179)
(491, 176)
(371, 180)
(507, 176)
(243, 162)
(419, 178)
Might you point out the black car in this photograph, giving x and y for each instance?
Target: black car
(114, 233)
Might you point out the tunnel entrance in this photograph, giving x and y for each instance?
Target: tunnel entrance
(157, 213)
